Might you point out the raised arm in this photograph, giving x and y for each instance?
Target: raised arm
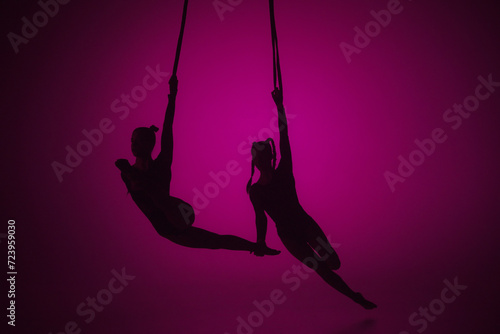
(285, 151)
(167, 138)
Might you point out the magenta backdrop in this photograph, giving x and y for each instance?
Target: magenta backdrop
(351, 115)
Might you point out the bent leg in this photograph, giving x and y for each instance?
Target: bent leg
(317, 239)
(304, 253)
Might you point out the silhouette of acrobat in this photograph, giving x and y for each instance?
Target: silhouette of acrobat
(275, 193)
(148, 182)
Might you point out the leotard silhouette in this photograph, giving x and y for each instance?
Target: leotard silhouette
(274, 193)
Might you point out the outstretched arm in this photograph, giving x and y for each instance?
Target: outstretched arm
(261, 225)
(285, 151)
(167, 138)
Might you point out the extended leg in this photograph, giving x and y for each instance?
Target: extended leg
(195, 237)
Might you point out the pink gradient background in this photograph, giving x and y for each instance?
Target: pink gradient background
(351, 123)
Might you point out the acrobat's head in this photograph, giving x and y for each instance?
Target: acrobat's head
(264, 154)
(143, 141)
(263, 157)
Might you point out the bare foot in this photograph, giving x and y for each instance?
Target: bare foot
(364, 302)
(262, 249)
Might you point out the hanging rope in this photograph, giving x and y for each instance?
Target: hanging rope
(179, 41)
(276, 58)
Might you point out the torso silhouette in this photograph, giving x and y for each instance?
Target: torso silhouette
(279, 199)
(150, 190)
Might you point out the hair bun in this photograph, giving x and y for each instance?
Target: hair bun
(154, 128)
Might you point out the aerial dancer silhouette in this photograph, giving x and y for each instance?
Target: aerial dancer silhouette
(148, 182)
(275, 194)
